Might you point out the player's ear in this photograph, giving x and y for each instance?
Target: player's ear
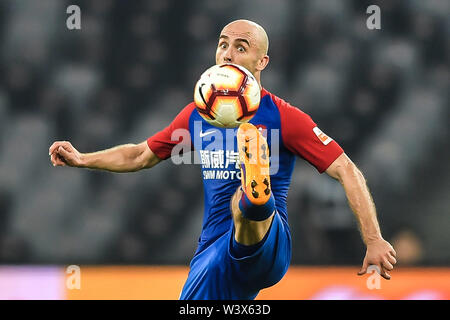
(262, 63)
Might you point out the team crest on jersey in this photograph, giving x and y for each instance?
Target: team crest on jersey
(322, 136)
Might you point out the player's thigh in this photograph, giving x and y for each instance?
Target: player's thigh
(268, 264)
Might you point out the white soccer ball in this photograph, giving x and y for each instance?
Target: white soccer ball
(227, 95)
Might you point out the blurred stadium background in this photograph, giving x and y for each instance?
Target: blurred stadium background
(382, 94)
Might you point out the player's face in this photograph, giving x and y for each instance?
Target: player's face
(238, 45)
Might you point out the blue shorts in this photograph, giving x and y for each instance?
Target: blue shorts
(216, 274)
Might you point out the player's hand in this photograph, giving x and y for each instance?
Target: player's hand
(381, 254)
(62, 153)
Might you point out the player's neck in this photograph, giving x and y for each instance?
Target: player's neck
(258, 78)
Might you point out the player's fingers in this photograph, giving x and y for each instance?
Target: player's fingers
(386, 264)
(363, 269)
(393, 253)
(53, 147)
(53, 159)
(391, 259)
(64, 152)
(58, 160)
(385, 274)
(67, 145)
(61, 163)
(67, 157)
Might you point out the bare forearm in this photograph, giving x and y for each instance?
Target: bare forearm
(362, 205)
(379, 252)
(121, 158)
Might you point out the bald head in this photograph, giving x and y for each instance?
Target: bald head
(252, 30)
(245, 43)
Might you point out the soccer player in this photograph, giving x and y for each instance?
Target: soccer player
(245, 243)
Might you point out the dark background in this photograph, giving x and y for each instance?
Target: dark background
(382, 94)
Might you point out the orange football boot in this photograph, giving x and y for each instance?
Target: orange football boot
(254, 161)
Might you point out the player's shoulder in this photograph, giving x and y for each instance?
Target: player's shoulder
(187, 110)
(285, 108)
(189, 107)
(183, 117)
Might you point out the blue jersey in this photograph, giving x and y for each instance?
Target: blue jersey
(289, 133)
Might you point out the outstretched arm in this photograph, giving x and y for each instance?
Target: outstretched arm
(123, 158)
(379, 252)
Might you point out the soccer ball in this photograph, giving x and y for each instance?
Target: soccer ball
(227, 95)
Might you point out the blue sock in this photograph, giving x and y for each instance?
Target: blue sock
(254, 212)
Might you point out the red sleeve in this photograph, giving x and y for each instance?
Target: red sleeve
(302, 137)
(162, 144)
